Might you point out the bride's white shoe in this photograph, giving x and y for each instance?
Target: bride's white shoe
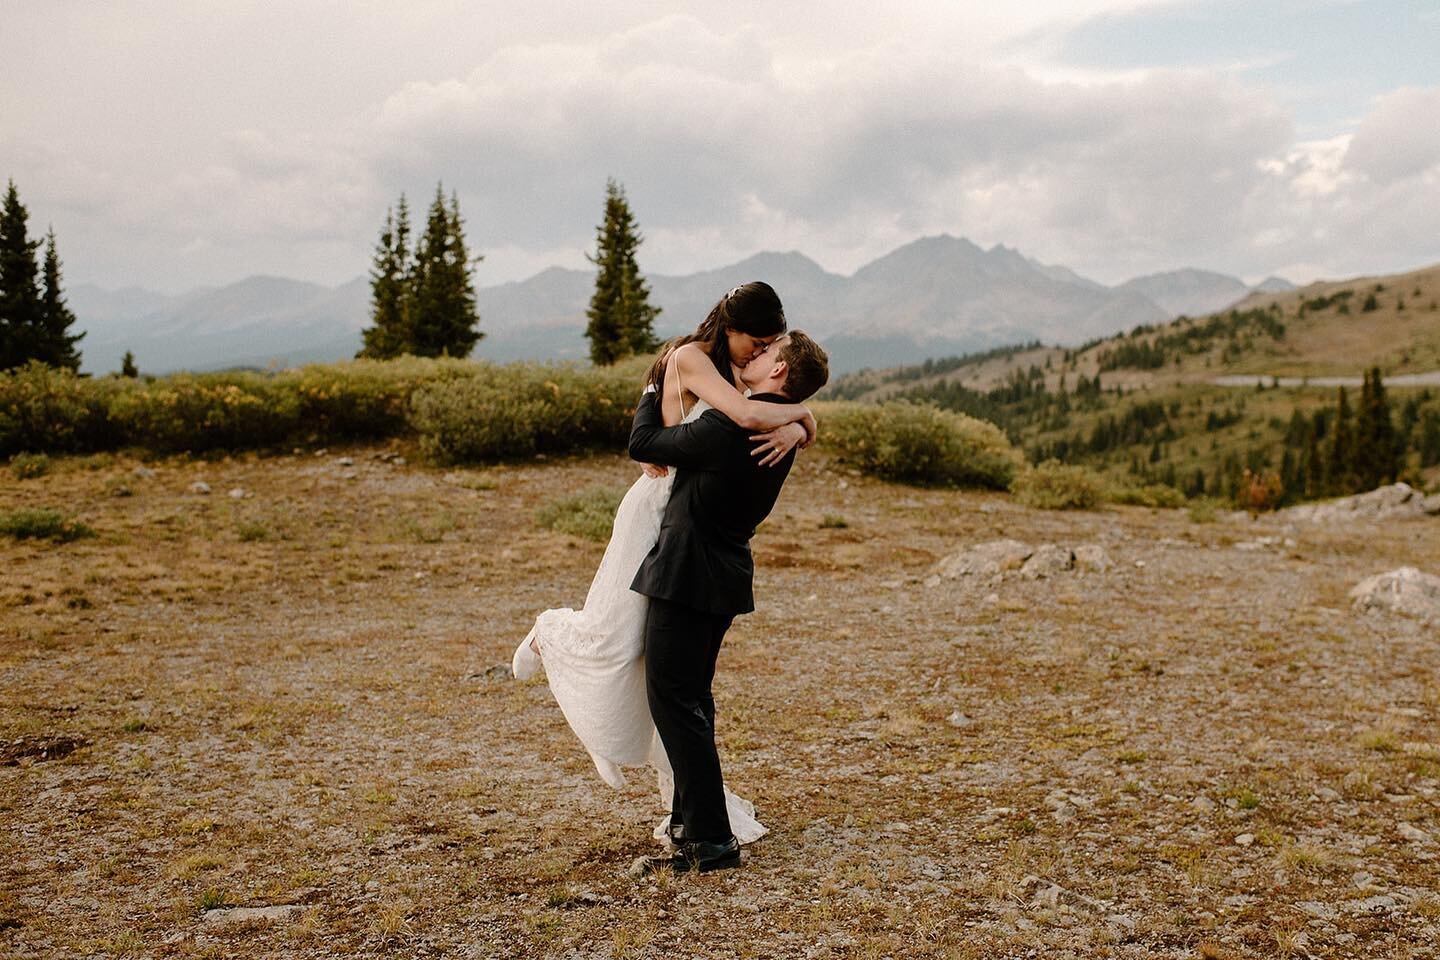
(526, 662)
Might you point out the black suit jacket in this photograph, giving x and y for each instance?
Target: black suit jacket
(721, 493)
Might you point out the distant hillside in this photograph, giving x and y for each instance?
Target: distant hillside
(1154, 405)
(934, 297)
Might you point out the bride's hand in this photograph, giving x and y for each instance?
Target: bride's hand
(812, 429)
(654, 471)
(778, 442)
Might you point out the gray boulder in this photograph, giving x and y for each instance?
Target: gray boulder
(1398, 499)
(1407, 591)
(1047, 561)
(1092, 558)
(985, 559)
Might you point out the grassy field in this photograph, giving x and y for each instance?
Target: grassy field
(290, 697)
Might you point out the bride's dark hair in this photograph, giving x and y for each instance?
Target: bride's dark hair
(752, 308)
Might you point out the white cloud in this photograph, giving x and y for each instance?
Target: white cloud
(763, 128)
(1399, 138)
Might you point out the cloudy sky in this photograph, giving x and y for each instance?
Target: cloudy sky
(175, 143)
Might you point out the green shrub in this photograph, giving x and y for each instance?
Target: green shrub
(1056, 486)
(589, 514)
(1149, 495)
(918, 444)
(32, 524)
(368, 399)
(49, 409)
(28, 466)
(520, 410)
(228, 411)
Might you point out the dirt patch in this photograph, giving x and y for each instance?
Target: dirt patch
(292, 700)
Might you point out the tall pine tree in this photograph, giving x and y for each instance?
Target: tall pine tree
(444, 297)
(57, 343)
(422, 301)
(622, 320)
(1376, 458)
(389, 333)
(20, 306)
(1340, 462)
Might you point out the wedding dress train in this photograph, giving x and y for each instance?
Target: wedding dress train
(594, 657)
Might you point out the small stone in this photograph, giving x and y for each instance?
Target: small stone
(501, 671)
(372, 885)
(1047, 897)
(1140, 564)
(200, 487)
(1412, 833)
(346, 462)
(1373, 905)
(1316, 909)
(991, 599)
(1092, 557)
(349, 475)
(958, 719)
(1245, 839)
(144, 473)
(237, 493)
(1203, 804)
(398, 461)
(241, 914)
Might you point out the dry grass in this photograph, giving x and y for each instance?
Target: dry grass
(286, 702)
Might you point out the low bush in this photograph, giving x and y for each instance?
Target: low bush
(1057, 486)
(28, 466)
(1149, 495)
(913, 443)
(520, 410)
(45, 409)
(32, 524)
(461, 410)
(589, 514)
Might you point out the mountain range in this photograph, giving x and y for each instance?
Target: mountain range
(937, 296)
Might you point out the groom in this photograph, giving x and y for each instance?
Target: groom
(698, 577)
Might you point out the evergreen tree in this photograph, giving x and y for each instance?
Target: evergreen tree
(1314, 463)
(1340, 462)
(422, 301)
(389, 333)
(20, 305)
(1376, 459)
(57, 344)
(1429, 444)
(444, 297)
(622, 321)
(127, 366)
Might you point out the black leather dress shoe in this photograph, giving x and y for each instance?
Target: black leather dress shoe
(677, 833)
(701, 856)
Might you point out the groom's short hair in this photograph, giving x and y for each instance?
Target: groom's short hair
(808, 367)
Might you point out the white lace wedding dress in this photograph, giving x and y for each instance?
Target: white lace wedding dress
(594, 658)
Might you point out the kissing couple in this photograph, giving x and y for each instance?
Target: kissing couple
(716, 432)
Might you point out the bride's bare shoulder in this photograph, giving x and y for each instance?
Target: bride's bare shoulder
(687, 353)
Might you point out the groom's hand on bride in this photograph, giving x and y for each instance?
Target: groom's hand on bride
(654, 471)
(775, 444)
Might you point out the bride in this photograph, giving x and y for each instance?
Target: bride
(594, 657)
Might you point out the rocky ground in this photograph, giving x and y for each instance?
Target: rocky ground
(276, 724)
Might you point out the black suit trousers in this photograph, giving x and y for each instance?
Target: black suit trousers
(681, 646)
